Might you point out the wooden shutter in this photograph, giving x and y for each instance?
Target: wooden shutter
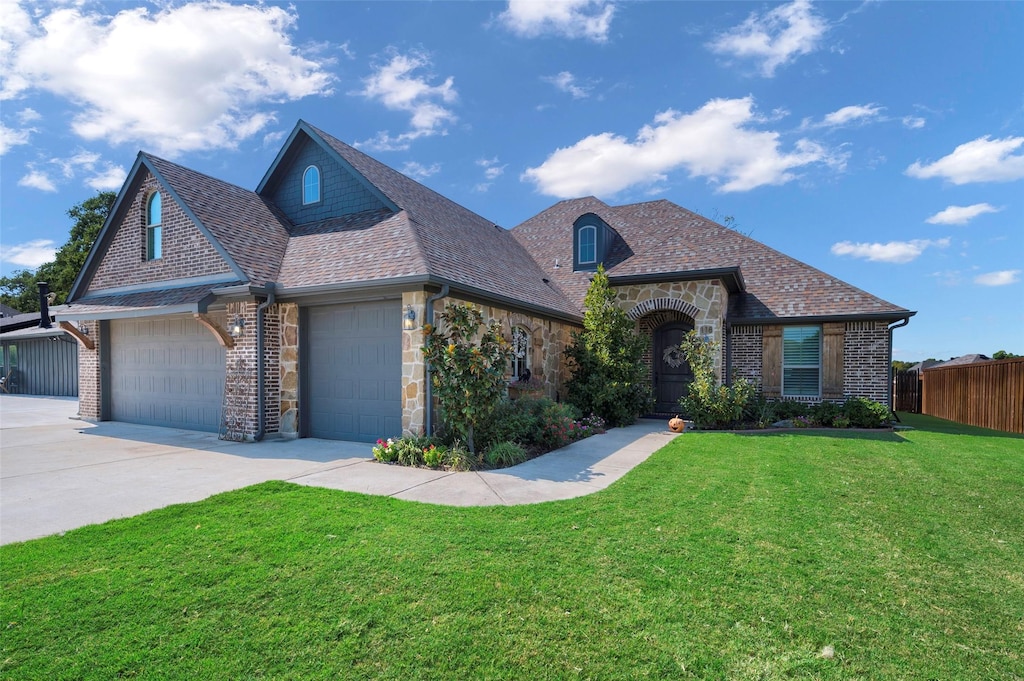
(771, 361)
(832, 361)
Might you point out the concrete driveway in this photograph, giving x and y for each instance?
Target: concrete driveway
(58, 473)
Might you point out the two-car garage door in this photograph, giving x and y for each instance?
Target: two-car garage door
(165, 371)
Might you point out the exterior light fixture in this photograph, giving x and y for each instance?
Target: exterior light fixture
(238, 328)
(409, 318)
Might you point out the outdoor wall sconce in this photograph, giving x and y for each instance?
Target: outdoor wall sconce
(238, 328)
(409, 318)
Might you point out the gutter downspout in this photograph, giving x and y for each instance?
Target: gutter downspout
(428, 316)
(261, 417)
(892, 406)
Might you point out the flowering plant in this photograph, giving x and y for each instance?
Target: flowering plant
(433, 456)
(385, 450)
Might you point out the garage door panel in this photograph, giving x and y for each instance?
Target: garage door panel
(355, 365)
(166, 372)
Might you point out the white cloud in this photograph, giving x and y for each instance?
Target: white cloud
(774, 38)
(980, 160)
(420, 171)
(10, 137)
(31, 254)
(913, 122)
(492, 170)
(718, 141)
(587, 19)
(961, 215)
(566, 82)
(397, 89)
(133, 80)
(895, 251)
(110, 178)
(37, 179)
(1001, 278)
(852, 114)
(28, 115)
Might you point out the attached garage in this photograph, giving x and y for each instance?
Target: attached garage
(165, 371)
(354, 371)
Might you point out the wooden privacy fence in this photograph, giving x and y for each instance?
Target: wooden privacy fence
(987, 394)
(906, 391)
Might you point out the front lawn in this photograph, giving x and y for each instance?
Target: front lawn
(818, 554)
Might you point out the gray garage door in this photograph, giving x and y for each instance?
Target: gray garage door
(165, 371)
(355, 371)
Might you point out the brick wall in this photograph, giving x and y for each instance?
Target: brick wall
(186, 251)
(746, 345)
(89, 404)
(866, 360)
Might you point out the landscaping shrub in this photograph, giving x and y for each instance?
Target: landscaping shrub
(609, 379)
(706, 403)
(505, 454)
(458, 458)
(865, 413)
(433, 456)
(825, 413)
(790, 409)
(511, 421)
(385, 451)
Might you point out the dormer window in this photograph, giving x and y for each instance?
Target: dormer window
(154, 229)
(592, 238)
(586, 239)
(311, 185)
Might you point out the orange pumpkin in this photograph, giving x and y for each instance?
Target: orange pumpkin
(676, 424)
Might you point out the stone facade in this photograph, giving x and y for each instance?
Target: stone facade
(186, 251)
(414, 382)
(288, 349)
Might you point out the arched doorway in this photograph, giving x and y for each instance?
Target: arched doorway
(670, 371)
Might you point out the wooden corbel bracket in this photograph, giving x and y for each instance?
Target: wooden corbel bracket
(78, 335)
(222, 336)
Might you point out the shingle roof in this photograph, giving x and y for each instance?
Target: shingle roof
(252, 231)
(661, 237)
(441, 238)
(140, 301)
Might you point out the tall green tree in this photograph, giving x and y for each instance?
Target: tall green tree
(609, 379)
(20, 289)
(1003, 354)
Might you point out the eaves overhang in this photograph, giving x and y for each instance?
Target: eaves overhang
(731, 277)
(894, 316)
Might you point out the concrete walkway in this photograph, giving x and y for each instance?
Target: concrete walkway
(58, 473)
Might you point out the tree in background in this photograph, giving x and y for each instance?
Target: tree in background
(1003, 354)
(609, 379)
(20, 290)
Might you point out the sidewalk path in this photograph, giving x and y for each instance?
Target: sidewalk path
(58, 473)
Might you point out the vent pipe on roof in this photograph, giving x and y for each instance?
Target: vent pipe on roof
(44, 306)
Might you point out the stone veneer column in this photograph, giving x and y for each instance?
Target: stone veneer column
(289, 396)
(414, 394)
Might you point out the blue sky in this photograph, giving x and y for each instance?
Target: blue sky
(882, 142)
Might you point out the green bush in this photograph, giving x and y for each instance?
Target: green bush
(706, 403)
(511, 421)
(410, 452)
(790, 409)
(609, 379)
(505, 454)
(865, 413)
(825, 413)
(433, 456)
(458, 458)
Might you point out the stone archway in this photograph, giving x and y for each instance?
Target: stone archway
(670, 373)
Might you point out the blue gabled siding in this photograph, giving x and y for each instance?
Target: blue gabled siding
(341, 192)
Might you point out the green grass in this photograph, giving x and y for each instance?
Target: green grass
(723, 556)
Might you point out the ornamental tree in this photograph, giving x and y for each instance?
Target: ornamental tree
(709, 404)
(467, 367)
(609, 377)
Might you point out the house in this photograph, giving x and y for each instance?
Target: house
(296, 309)
(36, 358)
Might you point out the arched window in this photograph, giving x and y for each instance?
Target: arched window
(311, 185)
(586, 247)
(154, 230)
(522, 353)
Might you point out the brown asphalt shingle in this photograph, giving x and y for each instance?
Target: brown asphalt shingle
(661, 237)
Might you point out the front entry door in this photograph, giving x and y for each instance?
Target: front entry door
(672, 372)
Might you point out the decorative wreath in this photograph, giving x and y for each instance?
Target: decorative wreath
(674, 356)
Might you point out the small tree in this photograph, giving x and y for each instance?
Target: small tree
(709, 404)
(609, 379)
(468, 375)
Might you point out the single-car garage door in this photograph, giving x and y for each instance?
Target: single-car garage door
(355, 371)
(165, 371)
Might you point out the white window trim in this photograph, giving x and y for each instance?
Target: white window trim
(319, 185)
(579, 244)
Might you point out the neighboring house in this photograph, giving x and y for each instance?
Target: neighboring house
(963, 359)
(296, 308)
(37, 359)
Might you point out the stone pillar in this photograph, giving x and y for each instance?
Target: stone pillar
(289, 394)
(414, 393)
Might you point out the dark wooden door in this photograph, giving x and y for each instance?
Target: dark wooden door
(672, 372)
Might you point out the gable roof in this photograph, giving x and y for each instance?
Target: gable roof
(247, 231)
(661, 241)
(427, 235)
